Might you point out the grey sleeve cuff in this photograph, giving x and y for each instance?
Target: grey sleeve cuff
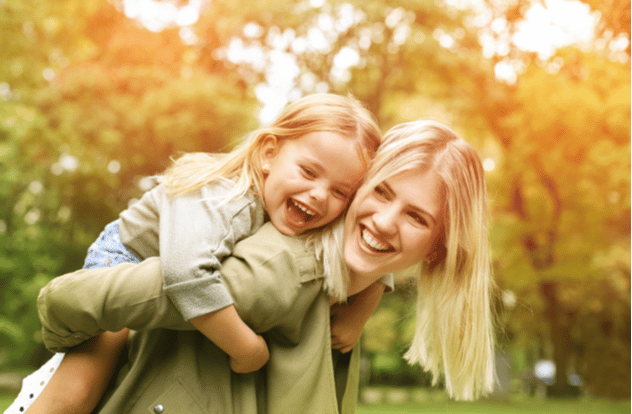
(198, 297)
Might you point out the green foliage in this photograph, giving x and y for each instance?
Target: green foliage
(388, 334)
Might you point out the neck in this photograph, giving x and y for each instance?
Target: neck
(359, 282)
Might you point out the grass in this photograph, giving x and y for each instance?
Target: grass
(6, 400)
(528, 406)
(514, 406)
(389, 400)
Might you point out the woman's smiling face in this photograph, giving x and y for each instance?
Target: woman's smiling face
(395, 225)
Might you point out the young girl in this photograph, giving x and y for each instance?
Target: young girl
(300, 173)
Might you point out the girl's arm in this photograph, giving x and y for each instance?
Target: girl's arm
(248, 351)
(348, 319)
(191, 253)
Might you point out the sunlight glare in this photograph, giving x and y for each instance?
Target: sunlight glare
(559, 24)
(158, 15)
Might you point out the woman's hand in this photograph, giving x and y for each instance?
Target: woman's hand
(346, 327)
(348, 319)
(252, 360)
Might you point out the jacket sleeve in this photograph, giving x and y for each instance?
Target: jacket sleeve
(197, 232)
(82, 304)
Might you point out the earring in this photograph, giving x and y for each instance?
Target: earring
(265, 168)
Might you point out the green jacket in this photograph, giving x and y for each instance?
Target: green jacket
(276, 284)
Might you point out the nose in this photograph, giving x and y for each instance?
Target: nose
(318, 192)
(385, 220)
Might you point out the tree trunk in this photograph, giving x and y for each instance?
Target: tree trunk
(560, 338)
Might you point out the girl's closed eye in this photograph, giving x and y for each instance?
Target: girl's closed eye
(340, 193)
(308, 172)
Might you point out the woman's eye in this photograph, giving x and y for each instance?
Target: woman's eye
(418, 219)
(381, 192)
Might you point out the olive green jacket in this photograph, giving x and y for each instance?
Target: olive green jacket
(276, 284)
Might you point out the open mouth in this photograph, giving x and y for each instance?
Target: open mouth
(299, 212)
(372, 243)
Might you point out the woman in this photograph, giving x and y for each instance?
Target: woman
(423, 201)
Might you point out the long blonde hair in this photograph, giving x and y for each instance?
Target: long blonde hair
(314, 113)
(453, 336)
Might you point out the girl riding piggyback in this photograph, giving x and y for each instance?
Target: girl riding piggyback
(300, 173)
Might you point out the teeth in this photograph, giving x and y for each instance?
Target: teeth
(305, 210)
(371, 242)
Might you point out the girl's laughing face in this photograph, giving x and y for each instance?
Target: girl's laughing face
(310, 180)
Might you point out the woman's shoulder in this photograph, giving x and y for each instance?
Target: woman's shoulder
(268, 247)
(270, 275)
(271, 241)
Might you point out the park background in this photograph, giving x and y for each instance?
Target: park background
(97, 95)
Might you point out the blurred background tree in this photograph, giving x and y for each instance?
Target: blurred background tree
(92, 102)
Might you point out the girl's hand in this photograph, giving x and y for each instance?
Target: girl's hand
(253, 360)
(247, 351)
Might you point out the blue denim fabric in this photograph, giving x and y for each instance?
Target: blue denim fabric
(108, 250)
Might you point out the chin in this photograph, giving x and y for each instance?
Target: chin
(359, 266)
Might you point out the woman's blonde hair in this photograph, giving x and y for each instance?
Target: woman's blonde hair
(313, 113)
(453, 335)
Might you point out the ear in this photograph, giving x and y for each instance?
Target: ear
(267, 151)
(437, 255)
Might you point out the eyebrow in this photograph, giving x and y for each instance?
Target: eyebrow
(420, 210)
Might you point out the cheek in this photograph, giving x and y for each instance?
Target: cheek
(348, 225)
(364, 208)
(417, 244)
(338, 206)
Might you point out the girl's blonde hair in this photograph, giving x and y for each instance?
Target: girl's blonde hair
(314, 113)
(453, 335)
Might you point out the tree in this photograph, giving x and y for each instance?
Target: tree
(37, 39)
(563, 198)
(358, 47)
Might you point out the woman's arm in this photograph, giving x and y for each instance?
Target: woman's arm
(82, 304)
(85, 303)
(82, 376)
(348, 319)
